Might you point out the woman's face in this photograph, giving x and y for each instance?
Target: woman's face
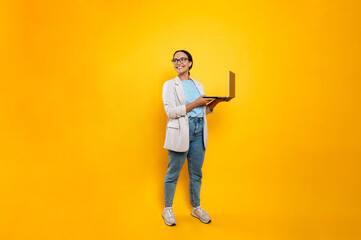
(181, 67)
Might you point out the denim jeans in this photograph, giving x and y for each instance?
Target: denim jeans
(195, 156)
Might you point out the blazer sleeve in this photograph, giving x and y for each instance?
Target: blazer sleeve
(208, 110)
(169, 102)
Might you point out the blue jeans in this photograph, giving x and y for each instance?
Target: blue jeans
(195, 156)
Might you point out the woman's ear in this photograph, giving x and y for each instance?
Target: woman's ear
(190, 64)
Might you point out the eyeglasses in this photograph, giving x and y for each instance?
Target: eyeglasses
(182, 60)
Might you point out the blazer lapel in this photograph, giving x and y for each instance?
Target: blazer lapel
(179, 90)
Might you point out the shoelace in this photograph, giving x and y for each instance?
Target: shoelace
(200, 209)
(171, 214)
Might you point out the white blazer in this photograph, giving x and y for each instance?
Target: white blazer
(177, 133)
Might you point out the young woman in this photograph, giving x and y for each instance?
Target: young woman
(186, 134)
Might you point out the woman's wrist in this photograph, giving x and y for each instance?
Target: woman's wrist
(213, 104)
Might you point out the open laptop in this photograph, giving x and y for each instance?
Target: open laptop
(232, 86)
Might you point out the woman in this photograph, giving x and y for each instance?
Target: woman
(186, 135)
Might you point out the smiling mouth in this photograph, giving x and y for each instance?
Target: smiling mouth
(180, 67)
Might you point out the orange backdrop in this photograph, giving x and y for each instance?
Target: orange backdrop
(82, 121)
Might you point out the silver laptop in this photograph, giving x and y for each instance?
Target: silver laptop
(232, 86)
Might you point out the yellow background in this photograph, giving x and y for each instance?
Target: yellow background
(82, 123)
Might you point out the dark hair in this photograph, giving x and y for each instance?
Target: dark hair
(189, 58)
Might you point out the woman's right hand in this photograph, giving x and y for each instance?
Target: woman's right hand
(203, 101)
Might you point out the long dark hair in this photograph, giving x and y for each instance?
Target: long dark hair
(189, 58)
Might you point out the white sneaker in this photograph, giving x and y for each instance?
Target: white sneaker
(199, 213)
(168, 216)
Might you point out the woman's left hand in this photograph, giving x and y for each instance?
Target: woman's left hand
(218, 100)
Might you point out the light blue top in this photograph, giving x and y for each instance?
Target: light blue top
(191, 94)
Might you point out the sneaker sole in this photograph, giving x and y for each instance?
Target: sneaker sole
(167, 223)
(200, 219)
